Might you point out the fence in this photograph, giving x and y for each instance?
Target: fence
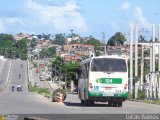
(152, 85)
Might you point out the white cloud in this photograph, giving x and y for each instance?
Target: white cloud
(38, 17)
(133, 15)
(2, 27)
(125, 6)
(58, 17)
(140, 18)
(7, 23)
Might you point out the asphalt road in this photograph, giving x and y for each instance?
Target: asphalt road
(23, 102)
(129, 107)
(4, 73)
(32, 103)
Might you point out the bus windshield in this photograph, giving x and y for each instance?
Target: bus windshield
(109, 65)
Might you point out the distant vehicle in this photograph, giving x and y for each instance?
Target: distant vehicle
(19, 87)
(42, 78)
(12, 87)
(19, 75)
(103, 79)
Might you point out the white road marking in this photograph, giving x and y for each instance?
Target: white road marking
(9, 72)
(1, 66)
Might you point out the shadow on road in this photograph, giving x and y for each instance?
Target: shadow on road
(75, 104)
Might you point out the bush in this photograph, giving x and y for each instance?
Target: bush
(152, 101)
(32, 88)
(35, 64)
(38, 89)
(141, 94)
(43, 90)
(130, 96)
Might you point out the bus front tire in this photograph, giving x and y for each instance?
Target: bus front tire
(92, 102)
(115, 104)
(119, 104)
(88, 102)
(110, 103)
(82, 102)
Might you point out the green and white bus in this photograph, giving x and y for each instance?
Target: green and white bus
(103, 79)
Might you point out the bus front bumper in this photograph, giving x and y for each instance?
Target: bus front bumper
(101, 97)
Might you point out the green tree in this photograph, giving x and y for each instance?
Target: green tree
(6, 48)
(99, 46)
(6, 44)
(71, 71)
(39, 36)
(22, 44)
(59, 39)
(22, 48)
(44, 52)
(46, 36)
(67, 69)
(74, 41)
(48, 52)
(52, 51)
(33, 43)
(117, 39)
(4, 37)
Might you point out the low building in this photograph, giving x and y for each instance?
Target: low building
(79, 49)
(70, 58)
(22, 36)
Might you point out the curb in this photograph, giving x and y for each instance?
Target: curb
(136, 100)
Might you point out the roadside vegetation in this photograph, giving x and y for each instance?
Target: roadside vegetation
(42, 91)
(141, 97)
(157, 102)
(10, 48)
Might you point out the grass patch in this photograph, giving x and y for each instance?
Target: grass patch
(35, 64)
(68, 90)
(43, 91)
(32, 88)
(130, 96)
(157, 102)
(141, 95)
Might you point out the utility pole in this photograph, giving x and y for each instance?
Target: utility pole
(103, 39)
(153, 64)
(136, 62)
(159, 60)
(153, 52)
(37, 69)
(151, 69)
(142, 62)
(152, 88)
(131, 59)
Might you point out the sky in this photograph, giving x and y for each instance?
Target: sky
(84, 17)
